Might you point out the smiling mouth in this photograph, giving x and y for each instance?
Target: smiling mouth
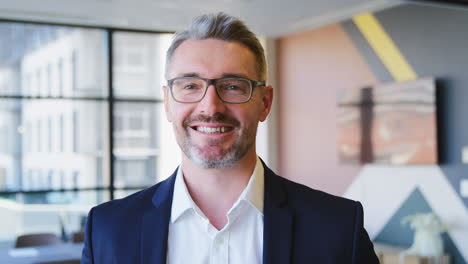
(213, 130)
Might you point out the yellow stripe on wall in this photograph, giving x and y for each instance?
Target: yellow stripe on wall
(384, 47)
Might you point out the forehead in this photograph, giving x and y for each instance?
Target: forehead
(212, 58)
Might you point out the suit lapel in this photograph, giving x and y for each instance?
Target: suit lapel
(277, 230)
(278, 222)
(155, 224)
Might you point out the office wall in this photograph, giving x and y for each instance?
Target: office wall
(313, 66)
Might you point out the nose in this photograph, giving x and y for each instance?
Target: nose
(211, 103)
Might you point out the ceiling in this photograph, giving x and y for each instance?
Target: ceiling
(270, 18)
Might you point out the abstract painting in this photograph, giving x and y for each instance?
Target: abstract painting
(391, 123)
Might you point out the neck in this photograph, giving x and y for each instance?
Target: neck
(225, 185)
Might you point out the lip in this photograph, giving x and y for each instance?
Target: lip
(213, 125)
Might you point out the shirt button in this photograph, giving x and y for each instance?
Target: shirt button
(220, 241)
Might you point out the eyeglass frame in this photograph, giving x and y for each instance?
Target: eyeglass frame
(210, 82)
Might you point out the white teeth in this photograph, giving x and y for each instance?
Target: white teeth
(211, 129)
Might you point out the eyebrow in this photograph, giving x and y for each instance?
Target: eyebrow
(189, 74)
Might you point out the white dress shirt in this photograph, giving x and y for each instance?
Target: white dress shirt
(192, 239)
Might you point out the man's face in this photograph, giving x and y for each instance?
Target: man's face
(211, 133)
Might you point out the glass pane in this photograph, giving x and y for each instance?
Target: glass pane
(46, 60)
(52, 144)
(138, 64)
(61, 213)
(123, 193)
(136, 143)
(10, 144)
(73, 197)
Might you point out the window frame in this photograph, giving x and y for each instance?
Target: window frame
(110, 99)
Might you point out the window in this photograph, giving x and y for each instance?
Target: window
(74, 71)
(49, 134)
(138, 64)
(3, 173)
(39, 140)
(76, 132)
(61, 140)
(60, 76)
(49, 79)
(132, 172)
(76, 178)
(3, 138)
(38, 86)
(56, 113)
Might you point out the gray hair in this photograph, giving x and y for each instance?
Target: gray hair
(223, 27)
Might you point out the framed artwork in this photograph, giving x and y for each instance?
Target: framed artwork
(391, 123)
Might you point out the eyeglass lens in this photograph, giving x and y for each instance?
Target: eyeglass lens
(229, 89)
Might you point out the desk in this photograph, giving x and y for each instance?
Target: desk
(66, 251)
(394, 255)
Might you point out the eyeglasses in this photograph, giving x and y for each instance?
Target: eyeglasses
(229, 90)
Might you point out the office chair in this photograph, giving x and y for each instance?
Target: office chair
(77, 261)
(78, 237)
(40, 239)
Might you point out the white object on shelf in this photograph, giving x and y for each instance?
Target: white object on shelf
(464, 188)
(23, 252)
(465, 154)
(427, 241)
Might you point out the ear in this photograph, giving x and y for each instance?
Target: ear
(166, 103)
(267, 101)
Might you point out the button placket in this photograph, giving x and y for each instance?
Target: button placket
(219, 248)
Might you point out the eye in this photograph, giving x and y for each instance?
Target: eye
(190, 87)
(232, 88)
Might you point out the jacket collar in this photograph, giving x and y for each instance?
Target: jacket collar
(278, 222)
(253, 194)
(155, 224)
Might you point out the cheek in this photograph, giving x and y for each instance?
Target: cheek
(178, 114)
(248, 118)
(254, 110)
(167, 106)
(168, 114)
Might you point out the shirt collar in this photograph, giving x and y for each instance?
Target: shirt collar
(181, 201)
(253, 193)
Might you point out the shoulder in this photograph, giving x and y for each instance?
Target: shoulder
(333, 224)
(333, 215)
(304, 195)
(304, 199)
(136, 203)
(300, 192)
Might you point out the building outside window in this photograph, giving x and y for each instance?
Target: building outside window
(55, 118)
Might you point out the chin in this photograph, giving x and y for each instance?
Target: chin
(213, 162)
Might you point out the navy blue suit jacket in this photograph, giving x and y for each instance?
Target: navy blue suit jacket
(301, 225)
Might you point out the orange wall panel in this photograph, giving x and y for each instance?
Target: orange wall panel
(312, 67)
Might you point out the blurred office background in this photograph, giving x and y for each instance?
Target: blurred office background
(82, 120)
(55, 136)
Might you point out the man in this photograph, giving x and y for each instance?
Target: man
(223, 204)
